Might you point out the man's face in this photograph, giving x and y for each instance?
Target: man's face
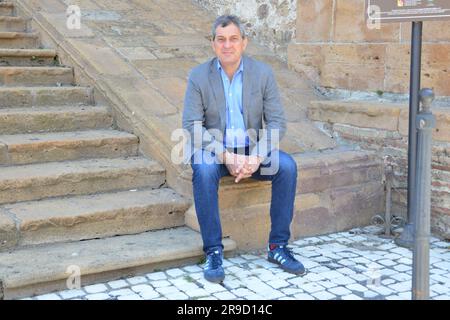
(228, 44)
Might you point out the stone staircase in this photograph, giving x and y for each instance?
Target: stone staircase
(75, 190)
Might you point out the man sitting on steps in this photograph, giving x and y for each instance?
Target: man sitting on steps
(226, 100)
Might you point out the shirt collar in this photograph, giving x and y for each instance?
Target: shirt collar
(241, 65)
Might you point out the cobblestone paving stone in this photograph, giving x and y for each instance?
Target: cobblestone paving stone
(352, 265)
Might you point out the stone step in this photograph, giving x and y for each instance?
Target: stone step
(54, 179)
(336, 190)
(377, 117)
(27, 57)
(6, 8)
(48, 267)
(51, 119)
(91, 216)
(13, 24)
(19, 40)
(31, 148)
(35, 76)
(45, 96)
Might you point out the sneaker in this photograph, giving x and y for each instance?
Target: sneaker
(283, 256)
(213, 270)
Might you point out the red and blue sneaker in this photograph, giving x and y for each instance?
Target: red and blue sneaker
(283, 256)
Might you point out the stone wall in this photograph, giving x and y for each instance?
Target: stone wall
(384, 128)
(270, 22)
(334, 47)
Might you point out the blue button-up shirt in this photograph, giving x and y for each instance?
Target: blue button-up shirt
(235, 135)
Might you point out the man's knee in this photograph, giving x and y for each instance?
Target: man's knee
(287, 164)
(206, 172)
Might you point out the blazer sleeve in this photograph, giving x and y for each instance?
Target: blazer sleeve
(193, 122)
(274, 118)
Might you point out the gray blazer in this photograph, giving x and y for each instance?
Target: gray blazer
(205, 105)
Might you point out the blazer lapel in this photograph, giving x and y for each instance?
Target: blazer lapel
(246, 89)
(217, 86)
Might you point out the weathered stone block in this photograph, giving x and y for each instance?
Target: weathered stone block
(59, 21)
(172, 88)
(26, 149)
(313, 221)
(333, 173)
(13, 24)
(19, 40)
(370, 67)
(35, 76)
(11, 97)
(353, 66)
(102, 57)
(306, 59)
(355, 205)
(435, 71)
(350, 25)
(3, 153)
(23, 183)
(304, 136)
(369, 135)
(54, 119)
(84, 217)
(314, 20)
(432, 31)
(441, 132)
(8, 232)
(136, 53)
(61, 96)
(165, 68)
(140, 97)
(359, 114)
(246, 193)
(440, 222)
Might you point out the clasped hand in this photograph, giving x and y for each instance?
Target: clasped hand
(241, 166)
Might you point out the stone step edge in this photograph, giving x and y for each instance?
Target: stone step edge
(38, 166)
(46, 137)
(34, 68)
(53, 109)
(16, 146)
(31, 95)
(40, 214)
(311, 160)
(376, 115)
(42, 88)
(69, 170)
(375, 107)
(13, 18)
(63, 113)
(27, 52)
(50, 280)
(4, 35)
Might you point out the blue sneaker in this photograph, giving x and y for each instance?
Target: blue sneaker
(213, 270)
(283, 256)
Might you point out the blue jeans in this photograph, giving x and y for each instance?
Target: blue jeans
(279, 167)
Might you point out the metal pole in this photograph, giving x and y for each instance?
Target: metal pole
(406, 238)
(425, 123)
(387, 217)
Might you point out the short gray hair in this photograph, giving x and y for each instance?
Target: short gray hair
(226, 20)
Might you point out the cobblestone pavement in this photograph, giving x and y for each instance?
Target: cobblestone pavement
(351, 265)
